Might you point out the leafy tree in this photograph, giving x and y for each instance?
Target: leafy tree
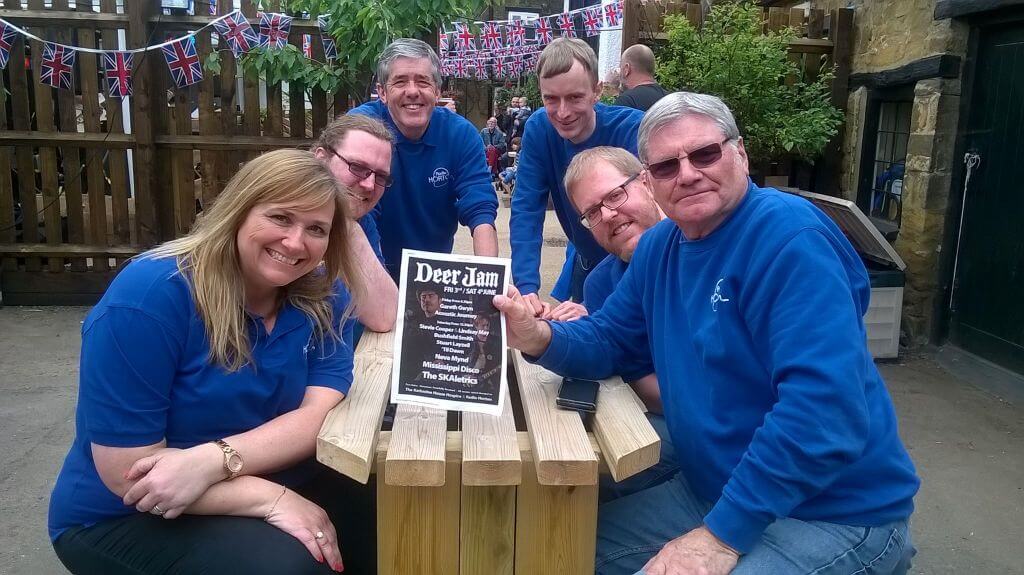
(733, 59)
(361, 29)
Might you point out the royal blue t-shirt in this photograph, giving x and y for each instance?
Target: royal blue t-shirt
(373, 236)
(542, 163)
(772, 400)
(145, 375)
(440, 181)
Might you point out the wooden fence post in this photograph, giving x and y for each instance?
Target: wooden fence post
(830, 163)
(149, 229)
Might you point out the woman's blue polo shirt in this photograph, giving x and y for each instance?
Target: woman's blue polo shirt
(145, 375)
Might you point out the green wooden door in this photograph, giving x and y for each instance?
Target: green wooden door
(988, 310)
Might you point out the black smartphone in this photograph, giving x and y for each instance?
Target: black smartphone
(578, 394)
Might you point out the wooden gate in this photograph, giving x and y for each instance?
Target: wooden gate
(78, 195)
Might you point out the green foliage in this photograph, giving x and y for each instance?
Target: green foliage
(361, 29)
(731, 58)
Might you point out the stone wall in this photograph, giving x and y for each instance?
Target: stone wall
(888, 35)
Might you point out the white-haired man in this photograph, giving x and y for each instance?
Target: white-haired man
(749, 302)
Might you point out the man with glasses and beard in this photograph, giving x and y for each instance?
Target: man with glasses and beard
(749, 303)
(357, 150)
(439, 172)
(571, 121)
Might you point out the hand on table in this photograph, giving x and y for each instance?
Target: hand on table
(307, 522)
(697, 552)
(170, 480)
(566, 311)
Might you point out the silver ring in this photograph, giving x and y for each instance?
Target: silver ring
(319, 535)
(156, 509)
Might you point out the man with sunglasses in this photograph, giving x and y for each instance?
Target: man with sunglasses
(571, 121)
(357, 149)
(749, 303)
(439, 169)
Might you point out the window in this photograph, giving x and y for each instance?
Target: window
(883, 159)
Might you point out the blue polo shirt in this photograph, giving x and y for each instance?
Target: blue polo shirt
(145, 375)
(440, 181)
(542, 163)
(373, 236)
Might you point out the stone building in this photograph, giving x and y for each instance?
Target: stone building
(935, 83)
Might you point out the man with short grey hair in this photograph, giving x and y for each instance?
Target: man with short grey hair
(636, 75)
(439, 170)
(749, 303)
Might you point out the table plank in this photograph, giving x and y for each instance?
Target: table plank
(490, 449)
(561, 449)
(349, 435)
(628, 441)
(416, 456)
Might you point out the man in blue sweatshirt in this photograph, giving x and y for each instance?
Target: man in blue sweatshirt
(571, 121)
(439, 168)
(749, 302)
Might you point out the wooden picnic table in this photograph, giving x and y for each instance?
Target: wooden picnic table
(489, 499)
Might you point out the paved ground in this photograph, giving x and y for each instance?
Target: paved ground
(962, 420)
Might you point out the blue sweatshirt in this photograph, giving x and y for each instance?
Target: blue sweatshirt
(773, 403)
(542, 163)
(601, 282)
(441, 180)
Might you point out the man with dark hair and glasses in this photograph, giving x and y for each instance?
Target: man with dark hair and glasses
(749, 303)
(440, 173)
(357, 149)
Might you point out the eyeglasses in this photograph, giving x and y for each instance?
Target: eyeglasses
(362, 172)
(700, 158)
(612, 200)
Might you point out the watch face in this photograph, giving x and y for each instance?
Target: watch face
(234, 463)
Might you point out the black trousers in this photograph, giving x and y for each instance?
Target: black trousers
(142, 543)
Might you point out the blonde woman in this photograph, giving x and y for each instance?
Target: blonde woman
(206, 372)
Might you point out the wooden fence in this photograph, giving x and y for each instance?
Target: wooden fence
(823, 39)
(87, 194)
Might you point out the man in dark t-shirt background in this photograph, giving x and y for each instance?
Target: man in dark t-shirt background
(636, 72)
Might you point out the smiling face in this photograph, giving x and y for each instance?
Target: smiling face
(410, 95)
(698, 200)
(278, 244)
(569, 100)
(620, 229)
(364, 149)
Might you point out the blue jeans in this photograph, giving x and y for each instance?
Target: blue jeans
(632, 529)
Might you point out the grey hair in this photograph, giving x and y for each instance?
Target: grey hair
(407, 48)
(679, 104)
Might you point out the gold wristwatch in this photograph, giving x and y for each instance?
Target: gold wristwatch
(232, 459)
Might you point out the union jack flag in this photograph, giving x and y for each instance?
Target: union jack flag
(465, 40)
(307, 45)
(237, 32)
(481, 67)
(566, 25)
(543, 31)
(330, 48)
(613, 13)
(183, 61)
(443, 44)
(516, 33)
(517, 65)
(274, 30)
(213, 7)
(499, 67)
(117, 67)
(7, 38)
(57, 66)
(460, 68)
(592, 21)
(446, 67)
(492, 36)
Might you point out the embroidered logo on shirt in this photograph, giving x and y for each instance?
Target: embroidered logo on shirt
(439, 178)
(717, 296)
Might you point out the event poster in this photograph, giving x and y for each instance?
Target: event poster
(450, 339)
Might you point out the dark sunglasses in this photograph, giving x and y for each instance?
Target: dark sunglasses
(700, 158)
(362, 172)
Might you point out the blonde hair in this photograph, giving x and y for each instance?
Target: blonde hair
(618, 158)
(208, 255)
(558, 56)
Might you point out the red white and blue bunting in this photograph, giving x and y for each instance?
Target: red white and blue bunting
(183, 61)
(463, 57)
